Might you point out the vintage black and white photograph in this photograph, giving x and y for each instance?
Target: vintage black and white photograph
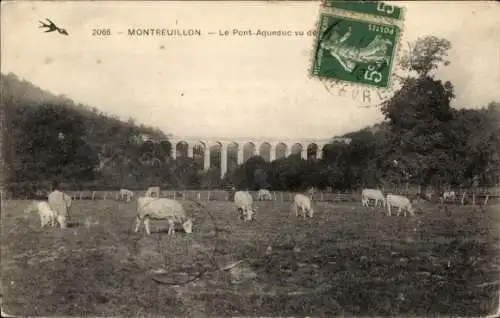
(250, 159)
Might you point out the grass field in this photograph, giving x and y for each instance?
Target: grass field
(347, 260)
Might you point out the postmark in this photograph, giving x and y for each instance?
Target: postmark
(354, 51)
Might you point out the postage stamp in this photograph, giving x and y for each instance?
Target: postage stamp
(355, 51)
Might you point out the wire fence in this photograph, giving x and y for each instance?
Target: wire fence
(463, 196)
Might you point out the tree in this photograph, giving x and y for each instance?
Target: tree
(419, 114)
(426, 55)
(51, 145)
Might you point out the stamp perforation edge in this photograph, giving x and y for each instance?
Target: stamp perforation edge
(360, 17)
(364, 15)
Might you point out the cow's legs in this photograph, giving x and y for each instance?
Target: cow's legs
(171, 227)
(146, 224)
(137, 223)
(61, 219)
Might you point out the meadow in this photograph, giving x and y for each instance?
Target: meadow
(347, 260)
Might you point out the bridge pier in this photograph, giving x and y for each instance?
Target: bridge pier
(223, 161)
(206, 159)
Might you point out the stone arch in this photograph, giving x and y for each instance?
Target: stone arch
(164, 148)
(281, 150)
(232, 155)
(312, 150)
(147, 146)
(296, 149)
(248, 150)
(199, 152)
(265, 151)
(181, 149)
(215, 155)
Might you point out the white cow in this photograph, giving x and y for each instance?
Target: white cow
(244, 201)
(373, 194)
(47, 215)
(263, 195)
(153, 190)
(302, 206)
(60, 203)
(398, 201)
(162, 209)
(126, 195)
(449, 195)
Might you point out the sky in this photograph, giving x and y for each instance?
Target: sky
(228, 86)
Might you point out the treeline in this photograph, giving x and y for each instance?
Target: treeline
(423, 141)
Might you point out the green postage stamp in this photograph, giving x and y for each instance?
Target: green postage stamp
(375, 8)
(355, 51)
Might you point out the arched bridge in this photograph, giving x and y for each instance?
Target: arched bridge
(238, 150)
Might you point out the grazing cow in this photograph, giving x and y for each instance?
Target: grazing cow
(126, 195)
(60, 202)
(244, 201)
(47, 215)
(398, 201)
(162, 209)
(302, 206)
(153, 190)
(373, 194)
(263, 195)
(449, 195)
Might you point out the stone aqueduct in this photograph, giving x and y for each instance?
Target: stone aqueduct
(268, 148)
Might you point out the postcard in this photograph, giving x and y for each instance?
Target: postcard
(250, 158)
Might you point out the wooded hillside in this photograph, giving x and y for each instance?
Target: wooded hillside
(423, 141)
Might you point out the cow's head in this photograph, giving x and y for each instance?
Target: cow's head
(310, 213)
(188, 226)
(411, 209)
(249, 215)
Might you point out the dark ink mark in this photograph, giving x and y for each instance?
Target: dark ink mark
(51, 27)
(162, 47)
(182, 94)
(98, 61)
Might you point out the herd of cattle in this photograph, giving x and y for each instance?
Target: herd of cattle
(55, 212)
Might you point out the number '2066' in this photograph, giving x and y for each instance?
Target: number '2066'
(101, 32)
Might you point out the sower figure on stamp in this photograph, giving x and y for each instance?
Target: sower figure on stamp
(58, 203)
